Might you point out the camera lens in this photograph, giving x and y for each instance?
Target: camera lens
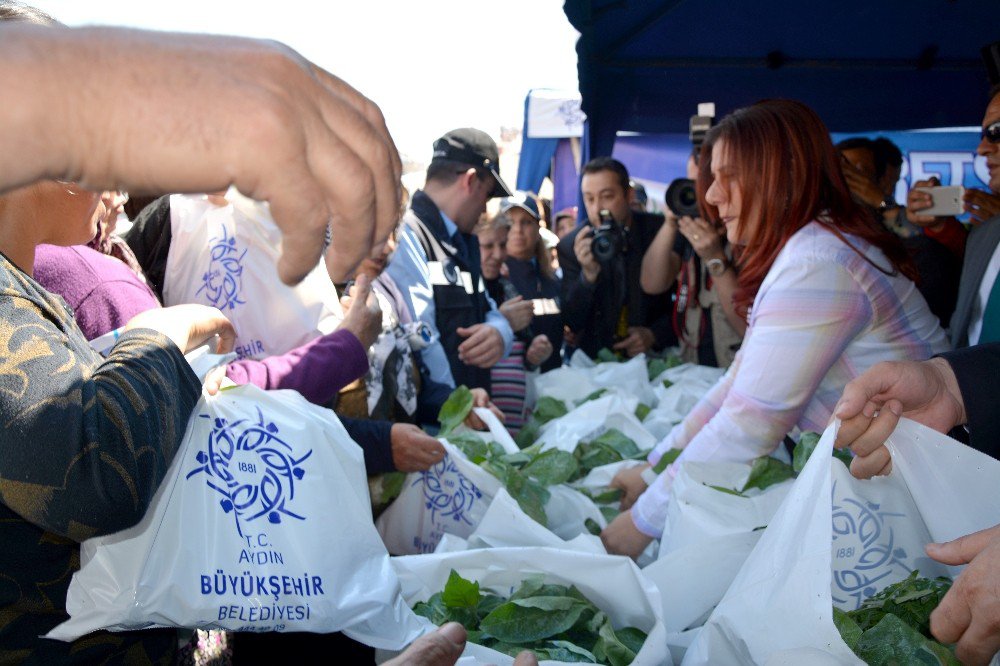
(681, 198)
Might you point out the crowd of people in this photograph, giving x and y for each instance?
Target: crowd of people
(820, 295)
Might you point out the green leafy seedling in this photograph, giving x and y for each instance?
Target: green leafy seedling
(806, 445)
(667, 458)
(455, 409)
(723, 489)
(548, 409)
(766, 472)
(593, 396)
(459, 592)
(893, 641)
(552, 467)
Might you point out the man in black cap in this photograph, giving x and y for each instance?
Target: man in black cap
(436, 264)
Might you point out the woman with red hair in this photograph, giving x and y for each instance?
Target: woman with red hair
(826, 290)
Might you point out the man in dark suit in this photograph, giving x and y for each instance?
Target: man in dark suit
(603, 304)
(977, 312)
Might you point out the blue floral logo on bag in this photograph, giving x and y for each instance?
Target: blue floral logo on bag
(447, 493)
(252, 468)
(864, 550)
(222, 283)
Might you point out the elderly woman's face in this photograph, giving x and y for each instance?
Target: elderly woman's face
(492, 251)
(522, 239)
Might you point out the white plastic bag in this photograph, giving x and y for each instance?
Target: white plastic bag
(707, 537)
(505, 525)
(591, 419)
(452, 497)
(611, 582)
(697, 512)
(581, 377)
(449, 498)
(261, 524)
(226, 257)
(568, 384)
(837, 540)
(689, 384)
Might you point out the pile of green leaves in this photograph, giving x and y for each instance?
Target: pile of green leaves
(524, 474)
(767, 471)
(893, 626)
(528, 473)
(554, 621)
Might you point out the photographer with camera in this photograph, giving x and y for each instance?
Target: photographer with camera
(603, 304)
(700, 263)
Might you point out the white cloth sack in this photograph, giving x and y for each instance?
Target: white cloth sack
(227, 257)
(837, 540)
(612, 582)
(261, 524)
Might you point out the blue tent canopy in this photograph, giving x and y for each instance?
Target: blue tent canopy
(644, 65)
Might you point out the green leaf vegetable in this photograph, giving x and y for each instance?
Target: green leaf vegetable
(893, 626)
(593, 396)
(527, 473)
(657, 366)
(548, 409)
(668, 457)
(807, 443)
(766, 472)
(552, 467)
(554, 621)
(642, 411)
(912, 600)
(605, 355)
(728, 491)
(392, 486)
(455, 409)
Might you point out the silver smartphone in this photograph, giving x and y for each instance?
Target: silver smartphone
(947, 200)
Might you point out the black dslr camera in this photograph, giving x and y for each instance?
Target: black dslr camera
(609, 239)
(681, 198)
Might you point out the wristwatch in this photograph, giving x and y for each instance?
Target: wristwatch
(717, 267)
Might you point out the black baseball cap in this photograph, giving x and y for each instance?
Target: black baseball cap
(475, 148)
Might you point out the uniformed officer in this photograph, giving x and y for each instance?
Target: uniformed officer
(436, 264)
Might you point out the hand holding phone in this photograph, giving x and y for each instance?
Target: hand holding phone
(945, 200)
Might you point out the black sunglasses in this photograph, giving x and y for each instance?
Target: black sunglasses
(991, 132)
